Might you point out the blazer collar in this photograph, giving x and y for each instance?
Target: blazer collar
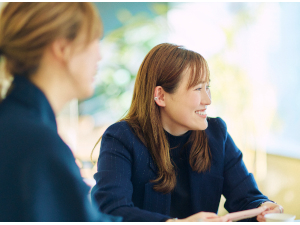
(32, 97)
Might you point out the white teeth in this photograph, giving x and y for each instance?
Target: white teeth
(201, 112)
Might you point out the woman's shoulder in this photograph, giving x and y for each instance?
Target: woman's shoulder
(216, 122)
(121, 133)
(44, 136)
(32, 140)
(216, 127)
(119, 130)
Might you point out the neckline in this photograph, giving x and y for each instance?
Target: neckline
(180, 136)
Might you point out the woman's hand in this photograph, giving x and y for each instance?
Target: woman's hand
(202, 217)
(272, 208)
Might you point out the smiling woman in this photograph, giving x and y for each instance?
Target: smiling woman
(166, 159)
(51, 52)
(180, 111)
(171, 112)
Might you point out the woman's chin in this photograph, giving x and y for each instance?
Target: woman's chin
(86, 94)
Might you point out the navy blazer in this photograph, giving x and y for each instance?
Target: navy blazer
(125, 169)
(39, 179)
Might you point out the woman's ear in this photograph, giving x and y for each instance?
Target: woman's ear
(61, 49)
(159, 96)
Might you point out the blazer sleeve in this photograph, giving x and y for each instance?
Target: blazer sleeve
(240, 188)
(113, 191)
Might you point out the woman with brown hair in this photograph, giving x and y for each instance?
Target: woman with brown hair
(50, 51)
(165, 159)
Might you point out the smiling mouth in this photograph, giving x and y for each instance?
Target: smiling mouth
(201, 113)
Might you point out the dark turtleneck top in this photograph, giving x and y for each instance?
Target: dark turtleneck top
(180, 196)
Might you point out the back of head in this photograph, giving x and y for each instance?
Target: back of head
(28, 28)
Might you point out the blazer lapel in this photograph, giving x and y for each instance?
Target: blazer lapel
(206, 191)
(155, 201)
(195, 187)
(152, 165)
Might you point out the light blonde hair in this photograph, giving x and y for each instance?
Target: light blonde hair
(27, 28)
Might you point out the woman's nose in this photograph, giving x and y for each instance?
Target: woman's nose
(206, 98)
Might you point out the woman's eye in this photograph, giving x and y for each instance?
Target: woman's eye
(207, 87)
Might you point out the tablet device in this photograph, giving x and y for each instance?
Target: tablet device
(245, 214)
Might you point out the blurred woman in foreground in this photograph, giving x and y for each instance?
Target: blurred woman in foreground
(166, 159)
(50, 50)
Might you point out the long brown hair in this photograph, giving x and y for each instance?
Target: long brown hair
(163, 66)
(28, 28)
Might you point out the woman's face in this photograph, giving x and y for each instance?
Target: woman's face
(185, 109)
(83, 67)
